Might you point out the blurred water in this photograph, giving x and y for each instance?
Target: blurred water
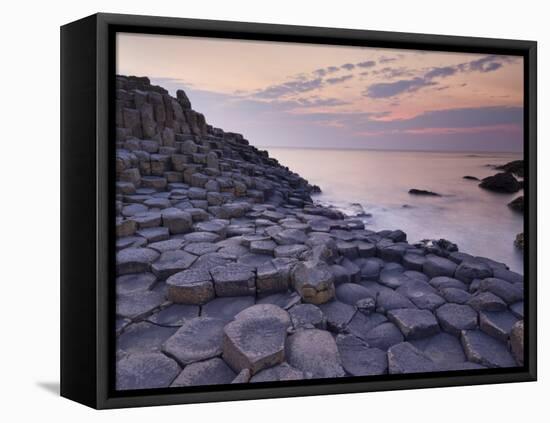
(479, 221)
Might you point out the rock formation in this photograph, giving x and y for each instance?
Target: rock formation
(228, 272)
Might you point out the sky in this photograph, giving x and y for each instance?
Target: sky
(320, 96)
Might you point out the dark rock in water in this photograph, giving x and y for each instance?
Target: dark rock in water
(471, 178)
(516, 167)
(517, 204)
(145, 371)
(501, 182)
(520, 241)
(415, 191)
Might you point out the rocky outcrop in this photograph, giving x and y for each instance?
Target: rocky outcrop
(517, 204)
(516, 167)
(229, 272)
(415, 191)
(501, 182)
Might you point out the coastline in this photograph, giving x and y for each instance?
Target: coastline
(228, 272)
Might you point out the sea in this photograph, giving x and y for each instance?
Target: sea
(375, 184)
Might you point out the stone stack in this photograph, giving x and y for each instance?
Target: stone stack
(228, 272)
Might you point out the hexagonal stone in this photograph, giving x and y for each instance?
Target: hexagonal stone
(285, 300)
(365, 249)
(370, 269)
(135, 282)
(145, 371)
(469, 270)
(171, 262)
(201, 248)
(428, 301)
(443, 349)
(269, 279)
(168, 245)
(517, 309)
(135, 260)
(360, 360)
(414, 274)
(143, 337)
(174, 315)
(406, 358)
(413, 261)
(508, 292)
(265, 246)
(282, 371)
(455, 295)
(438, 266)
(390, 300)
(196, 340)
(455, 318)
(486, 350)
(486, 301)
(337, 314)
(315, 352)
(516, 341)
(307, 316)
(233, 279)
(138, 304)
(201, 237)
(393, 278)
(290, 236)
(254, 260)
(361, 324)
(507, 275)
(350, 293)
(393, 253)
(177, 221)
(414, 323)
(383, 336)
(209, 372)
(347, 249)
(442, 282)
(192, 286)
(497, 324)
(293, 250)
(154, 234)
(313, 281)
(255, 340)
(226, 308)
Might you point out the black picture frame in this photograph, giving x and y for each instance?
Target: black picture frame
(87, 203)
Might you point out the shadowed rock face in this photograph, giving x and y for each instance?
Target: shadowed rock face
(228, 272)
(501, 182)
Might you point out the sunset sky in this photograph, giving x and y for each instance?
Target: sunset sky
(304, 95)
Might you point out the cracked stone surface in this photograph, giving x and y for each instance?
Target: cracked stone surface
(228, 270)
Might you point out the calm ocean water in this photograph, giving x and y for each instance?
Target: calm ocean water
(478, 221)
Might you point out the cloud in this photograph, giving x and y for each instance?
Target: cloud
(487, 63)
(332, 69)
(391, 89)
(348, 66)
(366, 64)
(387, 59)
(296, 86)
(441, 72)
(337, 80)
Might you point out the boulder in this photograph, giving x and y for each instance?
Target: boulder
(313, 281)
(468, 270)
(501, 182)
(486, 301)
(422, 192)
(255, 339)
(414, 323)
(307, 316)
(454, 318)
(438, 266)
(510, 293)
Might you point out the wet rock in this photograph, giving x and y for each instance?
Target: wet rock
(145, 371)
(497, 324)
(455, 295)
(135, 260)
(193, 286)
(314, 351)
(438, 266)
(405, 358)
(196, 340)
(501, 182)
(391, 300)
(255, 340)
(467, 271)
(226, 308)
(517, 309)
(178, 222)
(455, 318)
(360, 360)
(471, 178)
(443, 282)
(233, 279)
(313, 281)
(517, 204)
(366, 305)
(414, 191)
(516, 167)
(486, 350)
(209, 372)
(171, 262)
(280, 372)
(519, 242)
(307, 316)
(383, 336)
(413, 261)
(365, 249)
(414, 323)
